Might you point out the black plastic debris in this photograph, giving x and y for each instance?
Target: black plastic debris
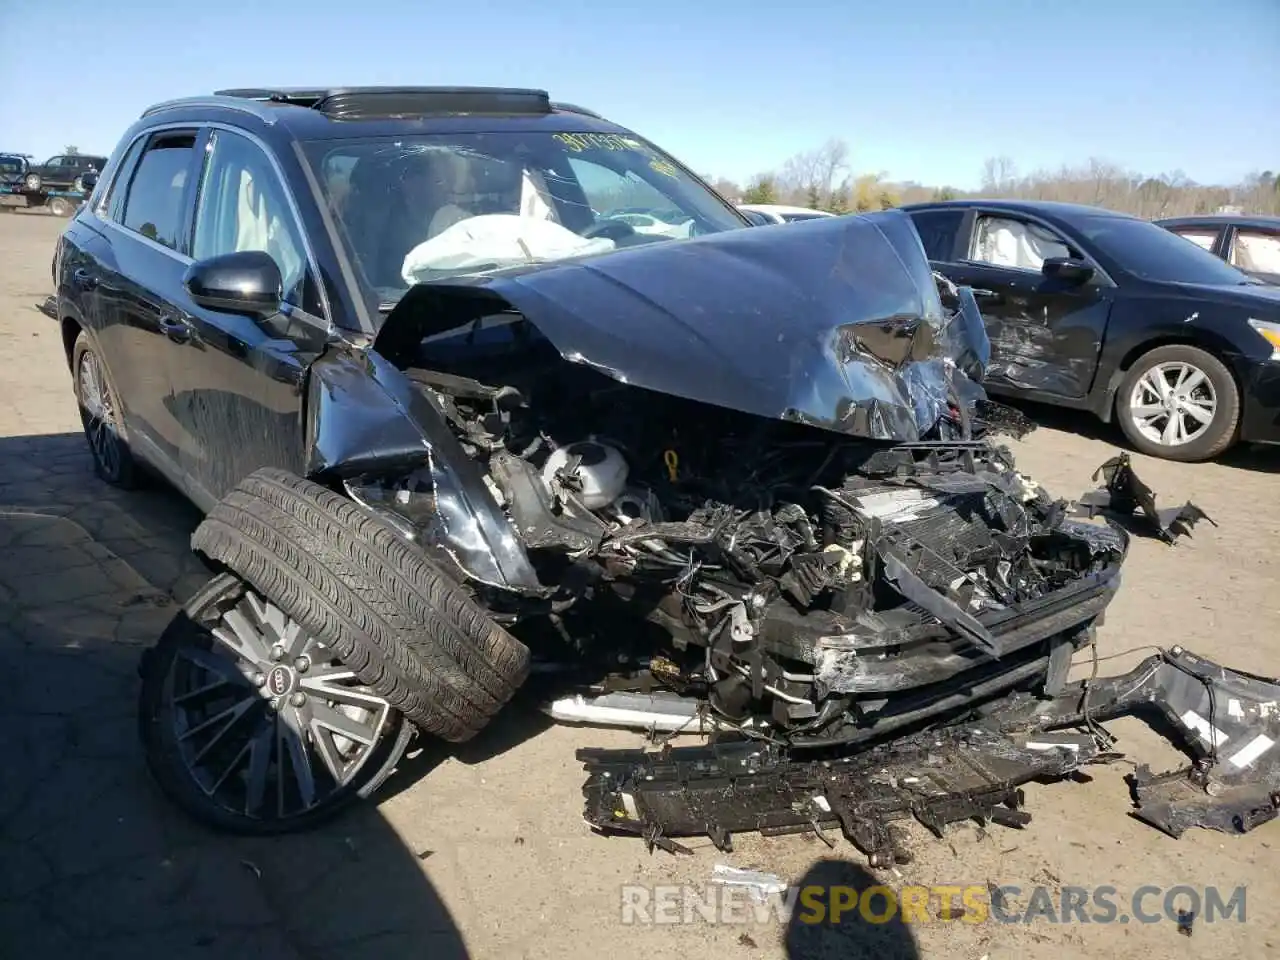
(1122, 495)
(1186, 922)
(1229, 722)
(998, 418)
(714, 791)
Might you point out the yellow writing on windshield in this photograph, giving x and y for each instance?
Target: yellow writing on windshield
(664, 167)
(577, 142)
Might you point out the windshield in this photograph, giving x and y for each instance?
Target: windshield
(1154, 253)
(11, 165)
(420, 208)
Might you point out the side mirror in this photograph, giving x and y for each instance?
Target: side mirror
(247, 283)
(89, 180)
(1066, 270)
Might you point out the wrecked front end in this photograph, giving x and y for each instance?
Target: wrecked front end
(1228, 722)
(742, 481)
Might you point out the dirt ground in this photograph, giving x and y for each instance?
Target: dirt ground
(482, 851)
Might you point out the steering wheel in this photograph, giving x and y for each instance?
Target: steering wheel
(609, 229)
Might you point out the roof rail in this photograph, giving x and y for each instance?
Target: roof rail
(574, 108)
(353, 103)
(243, 105)
(293, 96)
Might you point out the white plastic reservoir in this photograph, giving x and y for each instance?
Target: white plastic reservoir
(603, 471)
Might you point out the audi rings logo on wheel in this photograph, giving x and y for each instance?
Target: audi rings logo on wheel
(279, 680)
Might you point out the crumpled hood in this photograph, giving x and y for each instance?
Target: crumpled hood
(834, 322)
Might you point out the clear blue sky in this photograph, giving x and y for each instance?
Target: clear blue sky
(922, 89)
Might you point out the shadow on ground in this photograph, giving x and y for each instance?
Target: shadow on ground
(93, 862)
(873, 930)
(1246, 456)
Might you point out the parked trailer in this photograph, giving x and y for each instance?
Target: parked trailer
(61, 203)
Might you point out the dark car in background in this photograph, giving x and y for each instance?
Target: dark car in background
(1249, 243)
(13, 168)
(1100, 311)
(62, 172)
(445, 417)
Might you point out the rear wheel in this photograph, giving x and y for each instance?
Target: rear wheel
(410, 633)
(252, 725)
(32, 182)
(1179, 402)
(60, 207)
(100, 417)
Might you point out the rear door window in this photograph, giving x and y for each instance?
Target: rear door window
(1257, 251)
(1200, 237)
(155, 204)
(111, 206)
(938, 231)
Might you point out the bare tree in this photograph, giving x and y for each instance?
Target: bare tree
(725, 187)
(999, 175)
(810, 176)
(813, 175)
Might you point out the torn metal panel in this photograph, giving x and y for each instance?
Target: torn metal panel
(1228, 720)
(1123, 494)
(839, 325)
(1032, 351)
(369, 427)
(354, 423)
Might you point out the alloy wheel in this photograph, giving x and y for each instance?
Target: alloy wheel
(101, 425)
(264, 720)
(1173, 403)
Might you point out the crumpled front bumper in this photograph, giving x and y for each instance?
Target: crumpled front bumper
(1229, 722)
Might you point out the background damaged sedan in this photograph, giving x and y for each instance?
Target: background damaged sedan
(736, 479)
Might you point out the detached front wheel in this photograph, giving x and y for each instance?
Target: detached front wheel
(409, 632)
(251, 725)
(1179, 402)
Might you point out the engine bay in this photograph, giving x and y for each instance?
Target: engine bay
(790, 576)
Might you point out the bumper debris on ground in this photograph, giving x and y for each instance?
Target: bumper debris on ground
(1229, 722)
(1123, 495)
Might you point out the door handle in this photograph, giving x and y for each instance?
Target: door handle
(176, 329)
(987, 296)
(84, 280)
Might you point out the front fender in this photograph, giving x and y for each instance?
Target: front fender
(365, 419)
(1136, 327)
